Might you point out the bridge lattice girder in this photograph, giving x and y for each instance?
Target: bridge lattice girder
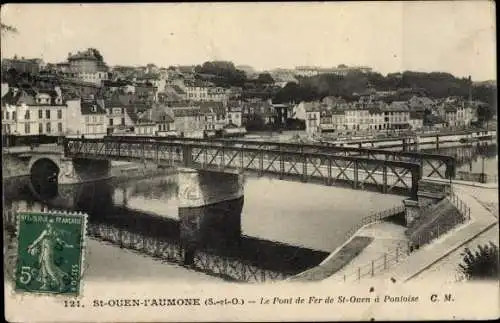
(357, 171)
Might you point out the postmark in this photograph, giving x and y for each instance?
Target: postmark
(50, 253)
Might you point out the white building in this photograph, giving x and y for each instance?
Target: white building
(234, 116)
(87, 118)
(27, 112)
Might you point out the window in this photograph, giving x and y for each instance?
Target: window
(14, 115)
(48, 127)
(26, 128)
(123, 110)
(40, 128)
(47, 114)
(123, 121)
(27, 115)
(87, 119)
(111, 121)
(7, 114)
(59, 114)
(40, 114)
(59, 127)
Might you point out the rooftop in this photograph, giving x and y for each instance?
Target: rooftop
(92, 107)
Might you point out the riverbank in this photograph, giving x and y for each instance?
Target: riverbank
(416, 139)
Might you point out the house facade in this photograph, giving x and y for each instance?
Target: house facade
(88, 66)
(87, 117)
(31, 111)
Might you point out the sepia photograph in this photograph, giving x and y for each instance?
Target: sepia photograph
(250, 161)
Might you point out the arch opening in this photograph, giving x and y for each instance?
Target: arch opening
(43, 178)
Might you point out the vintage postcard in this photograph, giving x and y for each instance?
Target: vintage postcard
(250, 161)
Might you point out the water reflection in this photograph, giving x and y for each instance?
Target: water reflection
(470, 156)
(108, 205)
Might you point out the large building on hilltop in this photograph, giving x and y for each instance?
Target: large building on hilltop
(88, 66)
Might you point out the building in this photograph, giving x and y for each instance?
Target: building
(188, 120)
(197, 93)
(206, 93)
(299, 111)
(88, 66)
(214, 115)
(416, 119)
(121, 115)
(87, 117)
(397, 115)
(434, 121)
(338, 120)
(22, 65)
(257, 109)
(357, 117)
(31, 111)
(341, 70)
(234, 115)
(283, 112)
(218, 94)
(450, 115)
(312, 112)
(421, 103)
(157, 121)
(80, 88)
(326, 121)
(306, 71)
(377, 118)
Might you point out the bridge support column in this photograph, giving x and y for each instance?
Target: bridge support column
(74, 171)
(187, 155)
(210, 205)
(412, 211)
(431, 192)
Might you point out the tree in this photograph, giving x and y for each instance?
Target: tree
(255, 122)
(222, 73)
(293, 92)
(7, 28)
(265, 78)
(481, 264)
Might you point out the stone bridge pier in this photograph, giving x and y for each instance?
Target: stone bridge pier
(210, 205)
(48, 171)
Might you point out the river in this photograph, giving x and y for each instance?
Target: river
(311, 216)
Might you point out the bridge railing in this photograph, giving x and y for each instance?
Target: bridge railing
(369, 219)
(432, 165)
(391, 258)
(358, 171)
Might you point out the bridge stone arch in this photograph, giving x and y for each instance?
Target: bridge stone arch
(71, 171)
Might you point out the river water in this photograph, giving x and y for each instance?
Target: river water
(304, 215)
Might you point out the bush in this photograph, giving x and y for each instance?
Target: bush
(481, 264)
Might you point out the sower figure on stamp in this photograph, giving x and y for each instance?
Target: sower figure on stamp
(45, 244)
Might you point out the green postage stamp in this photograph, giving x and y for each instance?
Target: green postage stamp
(50, 252)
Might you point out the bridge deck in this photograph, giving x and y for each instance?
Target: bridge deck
(431, 165)
(359, 172)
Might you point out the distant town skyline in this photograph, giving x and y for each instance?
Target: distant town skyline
(453, 37)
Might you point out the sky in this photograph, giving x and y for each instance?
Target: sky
(455, 37)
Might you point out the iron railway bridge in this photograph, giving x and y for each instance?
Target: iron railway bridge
(359, 168)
